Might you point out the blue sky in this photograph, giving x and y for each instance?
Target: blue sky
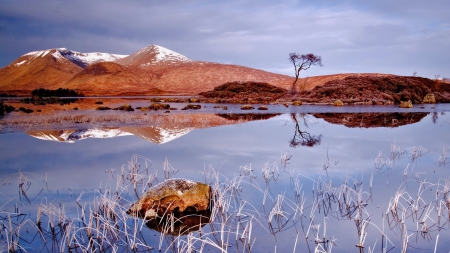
(399, 37)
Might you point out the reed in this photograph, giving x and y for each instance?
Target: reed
(418, 208)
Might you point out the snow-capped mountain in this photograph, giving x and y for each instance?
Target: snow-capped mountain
(153, 55)
(157, 135)
(71, 136)
(81, 59)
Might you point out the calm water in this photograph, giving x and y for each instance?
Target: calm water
(370, 158)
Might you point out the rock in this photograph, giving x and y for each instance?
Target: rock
(172, 196)
(193, 107)
(158, 106)
(404, 104)
(429, 99)
(338, 103)
(297, 103)
(263, 107)
(247, 107)
(193, 100)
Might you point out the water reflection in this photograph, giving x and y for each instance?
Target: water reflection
(385, 187)
(180, 223)
(303, 138)
(368, 120)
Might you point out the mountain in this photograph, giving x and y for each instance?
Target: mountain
(153, 70)
(153, 55)
(48, 69)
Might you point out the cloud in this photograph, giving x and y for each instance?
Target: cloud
(392, 37)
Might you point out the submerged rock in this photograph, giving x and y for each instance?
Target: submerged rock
(172, 196)
(429, 99)
(406, 104)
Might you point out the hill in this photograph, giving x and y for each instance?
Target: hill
(372, 89)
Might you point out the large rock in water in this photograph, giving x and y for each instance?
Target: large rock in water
(172, 196)
(406, 104)
(429, 99)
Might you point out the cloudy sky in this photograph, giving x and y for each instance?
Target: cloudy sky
(399, 37)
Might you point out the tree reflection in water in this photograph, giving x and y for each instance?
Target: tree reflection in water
(303, 138)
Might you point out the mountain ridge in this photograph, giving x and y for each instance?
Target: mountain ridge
(152, 70)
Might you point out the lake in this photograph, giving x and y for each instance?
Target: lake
(289, 179)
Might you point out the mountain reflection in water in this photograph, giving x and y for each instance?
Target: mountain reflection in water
(384, 184)
(164, 132)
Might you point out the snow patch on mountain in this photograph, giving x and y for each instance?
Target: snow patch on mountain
(172, 134)
(20, 63)
(160, 55)
(81, 59)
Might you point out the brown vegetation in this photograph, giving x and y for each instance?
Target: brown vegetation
(377, 90)
(245, 92)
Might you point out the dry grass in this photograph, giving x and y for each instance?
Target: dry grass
(414, 213)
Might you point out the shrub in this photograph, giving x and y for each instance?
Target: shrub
(60, 92)
(103, 108)
(157, 106)
(25, 110)
(4, 108)
(125, 107)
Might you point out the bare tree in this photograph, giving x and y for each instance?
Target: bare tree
(303, 62)
(303, 138)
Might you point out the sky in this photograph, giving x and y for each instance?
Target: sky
(352, 36)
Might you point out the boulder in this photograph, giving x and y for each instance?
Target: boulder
(172, 196)
(429, 99)
(263, 107)
(297, 103)
(247, 107)
(406, 104)
(191, 106)
(338, 103)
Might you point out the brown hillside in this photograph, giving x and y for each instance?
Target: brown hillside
(188, 78)
(308, 83)
(31, 72)
(377, 90)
